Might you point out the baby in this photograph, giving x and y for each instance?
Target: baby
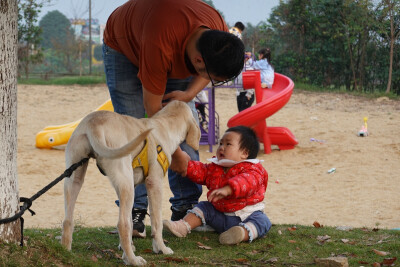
(237, 182)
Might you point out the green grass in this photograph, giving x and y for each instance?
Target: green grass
(66, 80)
(283, 246)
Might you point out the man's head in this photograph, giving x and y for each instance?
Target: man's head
(223, 54)
(240, 26)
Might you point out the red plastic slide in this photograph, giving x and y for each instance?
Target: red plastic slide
(268, 101)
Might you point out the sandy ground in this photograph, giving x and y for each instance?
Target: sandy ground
(364, 190)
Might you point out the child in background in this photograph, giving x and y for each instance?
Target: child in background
(245, 98)
(237, 182)
(265, 67)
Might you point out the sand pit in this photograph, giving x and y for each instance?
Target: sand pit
(364, 190)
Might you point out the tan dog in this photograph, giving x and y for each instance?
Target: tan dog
(114, 140)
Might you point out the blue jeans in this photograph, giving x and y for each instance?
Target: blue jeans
(221, 222)
(127, 98)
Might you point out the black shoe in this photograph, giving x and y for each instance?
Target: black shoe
(178, 214)
(139, 230)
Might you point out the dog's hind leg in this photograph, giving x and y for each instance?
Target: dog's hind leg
(77, 149)
(121, 177)
(154, 194)
(72, 186)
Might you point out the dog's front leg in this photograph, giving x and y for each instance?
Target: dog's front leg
(124, 187)
(154, 193)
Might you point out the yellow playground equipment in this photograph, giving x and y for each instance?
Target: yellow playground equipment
(59, 134)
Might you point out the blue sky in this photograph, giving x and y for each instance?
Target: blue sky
(246, 11)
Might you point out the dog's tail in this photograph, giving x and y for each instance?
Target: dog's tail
(113, 153)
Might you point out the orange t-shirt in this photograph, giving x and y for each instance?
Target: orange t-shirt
(153, 34)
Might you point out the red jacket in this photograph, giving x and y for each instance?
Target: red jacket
(247, 180)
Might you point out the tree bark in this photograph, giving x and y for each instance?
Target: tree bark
(9, 200)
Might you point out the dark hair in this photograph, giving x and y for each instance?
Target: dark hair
(240, 26)
(223, 52)
(266, 53)
(248, 140)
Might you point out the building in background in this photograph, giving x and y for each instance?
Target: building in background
(81, 29)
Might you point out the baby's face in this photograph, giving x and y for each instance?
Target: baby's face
(229, 148)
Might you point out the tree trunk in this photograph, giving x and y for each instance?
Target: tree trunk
(9, 200)
(391, 14)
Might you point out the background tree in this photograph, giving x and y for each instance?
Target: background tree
(389, 18)
(56, 28)
(59, 37)
(29, 35)
(9, 199)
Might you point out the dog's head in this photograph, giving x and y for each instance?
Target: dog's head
(181, 111)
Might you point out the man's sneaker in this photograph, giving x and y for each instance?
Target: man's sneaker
(178, 214)
(139, 229)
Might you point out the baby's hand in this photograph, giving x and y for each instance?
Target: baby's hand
(220, 193)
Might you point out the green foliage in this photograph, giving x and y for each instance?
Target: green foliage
(29, 35)
(284, 245)
(333, 43)
(56, 29)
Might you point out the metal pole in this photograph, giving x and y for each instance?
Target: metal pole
(90, 37)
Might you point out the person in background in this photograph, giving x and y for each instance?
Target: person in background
(237, 29)
(157, 51)
(237, 182)
(266, 69)
(245, 98)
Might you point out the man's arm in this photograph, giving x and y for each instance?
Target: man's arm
(152, 103)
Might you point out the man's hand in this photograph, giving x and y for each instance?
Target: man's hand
(177, 95)
(180, 160)
(220, 193)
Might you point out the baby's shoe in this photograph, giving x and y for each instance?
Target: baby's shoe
(179, 228)
(233, 236)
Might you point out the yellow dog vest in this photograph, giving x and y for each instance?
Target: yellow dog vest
(141, 160)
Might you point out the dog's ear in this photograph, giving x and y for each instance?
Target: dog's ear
(193, 134)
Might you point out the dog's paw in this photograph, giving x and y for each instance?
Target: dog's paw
(136, 261)
(167, 251)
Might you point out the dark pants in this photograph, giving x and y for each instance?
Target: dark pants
(243, 102)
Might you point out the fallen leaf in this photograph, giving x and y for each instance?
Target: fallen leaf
(389, 261)
(323, 238)
(279, 232)
(363, 262)
(380, 253)
(344, 240)
(292, 241)
(317, 225)
(290, 254)
(94, 258)
(147, 250)
(202, 246)
(241, 260)
(376, 264)
(169, 259)
(272, 260)
(290, 229)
